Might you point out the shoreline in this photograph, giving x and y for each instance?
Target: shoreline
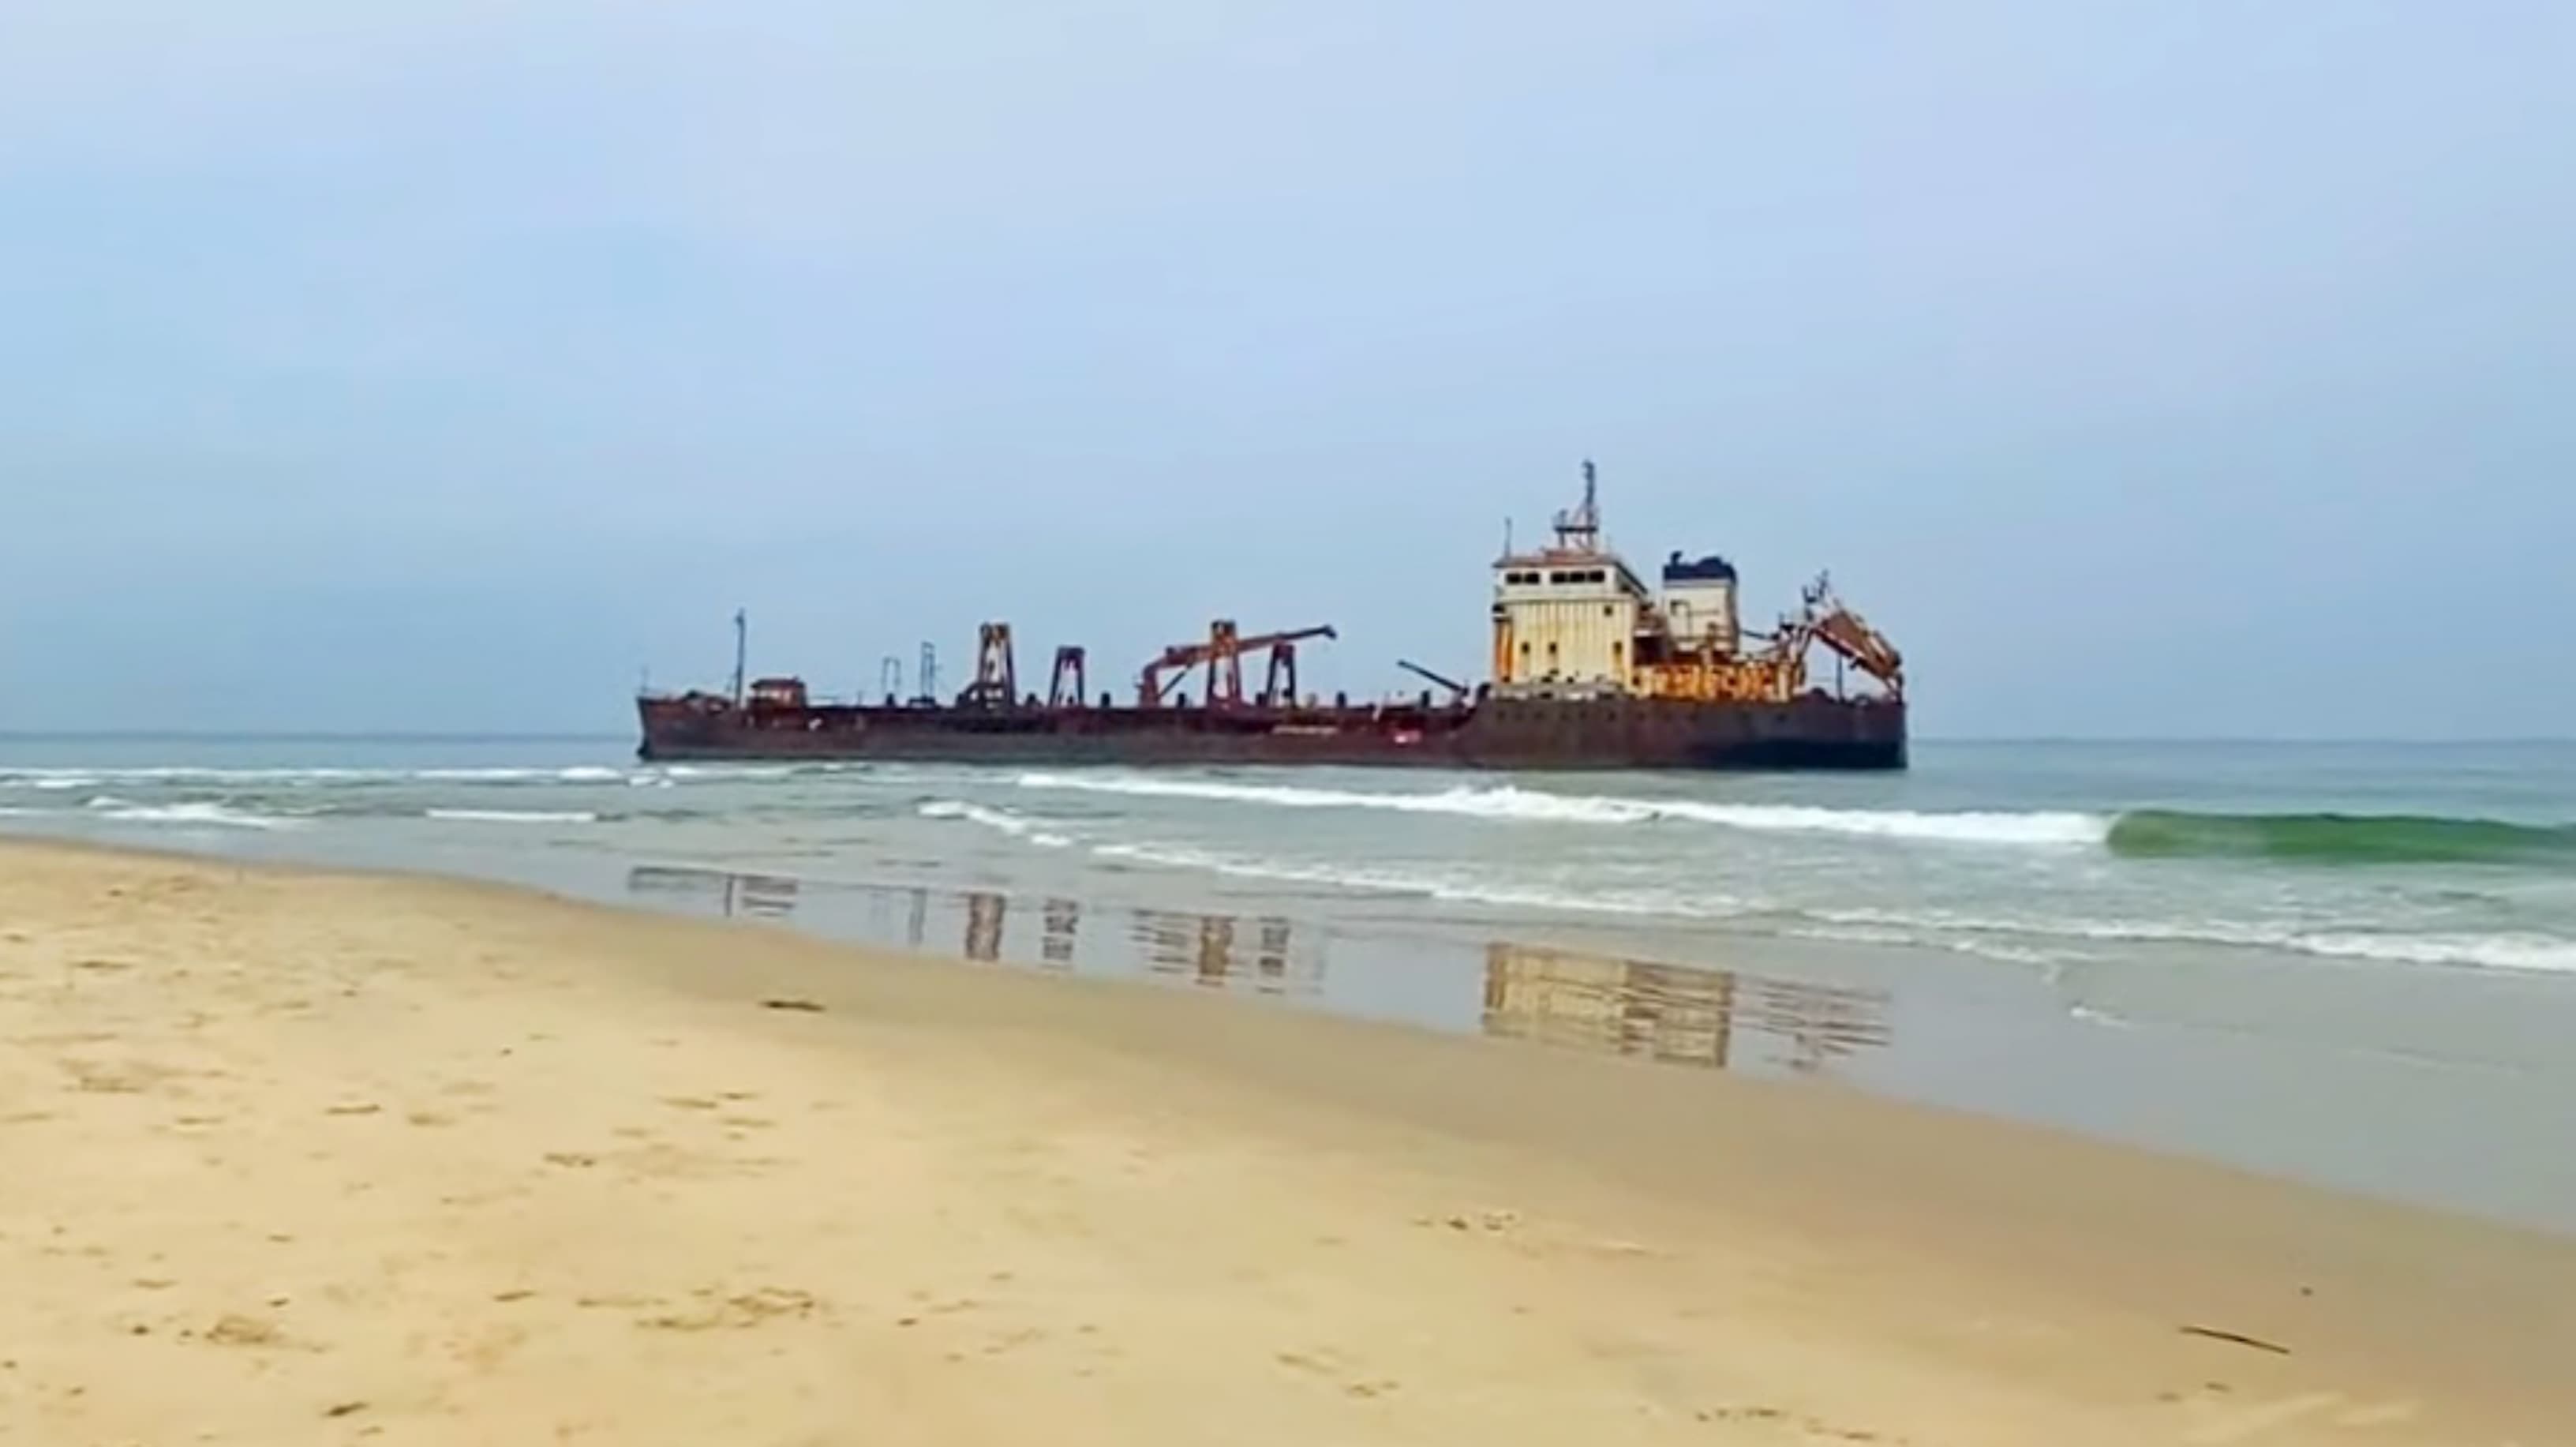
(1166, 1215)
(2432, 1086)
(2429, 1087)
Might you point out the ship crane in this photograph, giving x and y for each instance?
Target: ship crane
(1066, 690)
(1847, 633)
(1222, 656)
(997, 681)
(1457, 691)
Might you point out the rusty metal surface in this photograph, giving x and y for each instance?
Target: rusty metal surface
(1222, 657)
(1814, 731)
(1614, 683)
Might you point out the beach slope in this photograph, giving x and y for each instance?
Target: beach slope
(300, 1157)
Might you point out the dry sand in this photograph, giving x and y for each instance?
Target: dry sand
(309, 1158)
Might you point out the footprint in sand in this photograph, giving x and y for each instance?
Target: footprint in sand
(1331, 1365)
(91, 1077)
(616, 1302)
(1012, 1341)
(244, 1331)
(488, 1348)
(1809, 1429)
(1370, 1389)
(737, 1312)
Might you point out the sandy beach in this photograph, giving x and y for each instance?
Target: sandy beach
(304, 1157)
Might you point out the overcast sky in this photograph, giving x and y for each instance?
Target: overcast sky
(2143, 368)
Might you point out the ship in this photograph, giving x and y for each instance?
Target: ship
(1590, 669)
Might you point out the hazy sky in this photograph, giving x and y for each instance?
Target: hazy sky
(2143, 368)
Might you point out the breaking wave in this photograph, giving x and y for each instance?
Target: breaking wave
(2500, 951)
(1537, 806)
(2135, 834)
(195, 813)
(2339, 838)
(1002, 820)
(2507, 950)
(513, 816)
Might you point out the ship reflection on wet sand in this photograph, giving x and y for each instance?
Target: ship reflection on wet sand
(1562, 998)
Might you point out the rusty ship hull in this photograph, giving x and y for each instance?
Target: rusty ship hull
(1591, 668)
(1811, 732)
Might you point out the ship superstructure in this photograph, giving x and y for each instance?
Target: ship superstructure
(1573, 621)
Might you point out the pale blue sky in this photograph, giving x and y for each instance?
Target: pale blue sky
(2144, 368)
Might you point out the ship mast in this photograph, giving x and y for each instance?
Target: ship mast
(1579, 531)
(741, 650)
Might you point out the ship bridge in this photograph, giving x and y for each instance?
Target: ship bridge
(1566, 616)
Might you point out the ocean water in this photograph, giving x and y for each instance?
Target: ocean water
(2351, 962)
(2440, 857)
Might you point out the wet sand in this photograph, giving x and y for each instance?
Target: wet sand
(2439, 1088)
(299, 1157)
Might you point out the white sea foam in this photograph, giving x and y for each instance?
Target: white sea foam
(225, 777)
(1447, 888)
(1506, 802)
(195, 774)
(2022, 940)
(196, 813)
(2495, 951)
(2502, 951)
(513, 816)
(1003, 820)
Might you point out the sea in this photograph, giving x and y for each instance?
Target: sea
(2348, 963)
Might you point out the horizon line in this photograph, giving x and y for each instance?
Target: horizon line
(574, 736)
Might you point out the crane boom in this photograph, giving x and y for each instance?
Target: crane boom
(1451, 684)
(1222, 655)
(1847, 633)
